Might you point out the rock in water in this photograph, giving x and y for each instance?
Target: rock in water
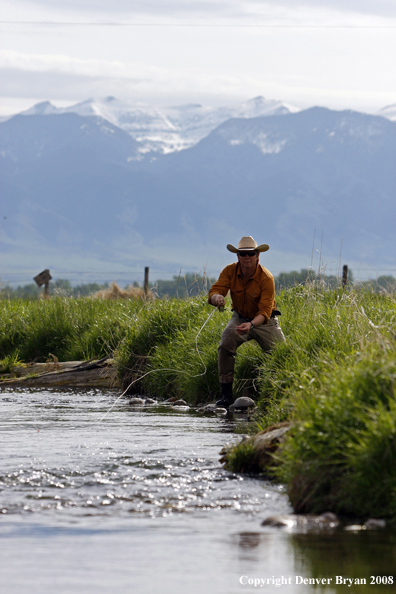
(243, 403)
(180, 403)
(208, 408)
(375, 523)
(136, 402)
(328, 520)
(354, 528)
(220, 411)
(371, 524)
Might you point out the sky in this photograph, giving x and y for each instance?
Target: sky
(335, 53)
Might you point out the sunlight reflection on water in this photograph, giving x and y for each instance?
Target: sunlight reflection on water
(137, 503)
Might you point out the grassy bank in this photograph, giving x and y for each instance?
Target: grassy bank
(334, 378)
(69, 329)
(335, 381)
(341, 454)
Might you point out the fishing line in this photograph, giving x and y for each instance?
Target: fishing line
(174, 370)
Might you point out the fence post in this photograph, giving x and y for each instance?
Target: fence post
(344, 275)
(43, 279)
(146, 281)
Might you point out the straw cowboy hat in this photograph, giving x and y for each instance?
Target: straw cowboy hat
(246, 244)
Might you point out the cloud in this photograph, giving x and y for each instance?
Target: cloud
(124, 8)
(215, 65)
(204, 9)
(62, 77)
(384, 8)
(61, 63)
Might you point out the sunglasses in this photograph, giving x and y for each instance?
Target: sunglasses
(250, 254)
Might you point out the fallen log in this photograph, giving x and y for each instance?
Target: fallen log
(82, 374)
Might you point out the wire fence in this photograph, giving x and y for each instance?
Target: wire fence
(137, 274)
(180, 283)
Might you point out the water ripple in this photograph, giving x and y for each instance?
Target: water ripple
(149, 463)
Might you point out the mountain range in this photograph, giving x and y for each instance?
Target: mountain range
(165, 129)
(102, 189)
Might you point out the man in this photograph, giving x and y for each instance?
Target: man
(254, 315)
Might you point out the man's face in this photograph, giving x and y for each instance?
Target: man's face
(248, 261)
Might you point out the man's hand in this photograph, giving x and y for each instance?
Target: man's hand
(243, 328)
(218, 300)
(247, 326)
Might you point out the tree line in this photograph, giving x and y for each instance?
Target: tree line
(190, 285)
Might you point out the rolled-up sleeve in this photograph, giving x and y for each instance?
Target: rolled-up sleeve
(267, 298)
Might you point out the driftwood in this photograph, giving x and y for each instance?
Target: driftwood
(82, 374)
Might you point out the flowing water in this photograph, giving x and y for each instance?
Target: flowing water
(139, 503)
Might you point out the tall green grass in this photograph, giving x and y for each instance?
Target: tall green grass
(320, 326)
(70, 329)
(164, 349)
(341, 455)
(174, 340)
(334, 377)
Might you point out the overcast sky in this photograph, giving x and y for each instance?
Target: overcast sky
(336, 53)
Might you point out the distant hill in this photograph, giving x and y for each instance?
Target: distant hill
(287, 176)
(78, 192)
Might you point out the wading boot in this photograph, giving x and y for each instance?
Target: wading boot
(226, 398)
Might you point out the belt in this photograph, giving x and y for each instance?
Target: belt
(274, 313)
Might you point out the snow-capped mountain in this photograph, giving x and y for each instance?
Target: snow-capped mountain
(43, 108)
(165, 129)
(75, 188)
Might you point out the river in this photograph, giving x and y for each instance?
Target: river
(137, 502)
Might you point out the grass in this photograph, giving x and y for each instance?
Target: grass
(161, 344)
(71, 329)
(322, 328)
(9, 362)
(341, 455)
(333, 378)
(242, 458)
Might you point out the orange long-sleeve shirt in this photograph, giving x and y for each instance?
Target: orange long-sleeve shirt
(249, 296)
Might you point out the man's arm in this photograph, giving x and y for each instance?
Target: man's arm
(267, 298)
(220, 289)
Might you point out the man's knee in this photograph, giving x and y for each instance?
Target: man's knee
(228, 341)
(269, 337)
